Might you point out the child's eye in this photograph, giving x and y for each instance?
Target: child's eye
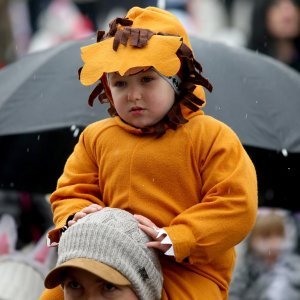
(147, 79)
(119, 83)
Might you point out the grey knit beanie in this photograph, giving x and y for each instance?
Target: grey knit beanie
(110, 237)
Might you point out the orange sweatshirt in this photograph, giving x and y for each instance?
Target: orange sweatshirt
(197, 182)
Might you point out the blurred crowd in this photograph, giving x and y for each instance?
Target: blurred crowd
(271, 27)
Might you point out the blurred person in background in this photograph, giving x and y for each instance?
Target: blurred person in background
(107, 10)
(208, 18)
(89, 9)
(65, 20)
(97, 11)
(22, 270)
(269, 268)
(61, 21)
(275, 30)
(212, 20)
(35, 9)
(228, 4)
(19, 20)
(7, 50)
(31, 212)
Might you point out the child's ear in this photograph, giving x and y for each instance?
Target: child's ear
(8, 234)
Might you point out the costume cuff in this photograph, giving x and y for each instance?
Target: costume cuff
(182, 239)
(166, 241)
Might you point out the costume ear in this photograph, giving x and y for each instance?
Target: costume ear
(43, 255)
(8, 234)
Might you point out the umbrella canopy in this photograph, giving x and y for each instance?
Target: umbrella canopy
(42, 102)
(254, 94)
(42, 92)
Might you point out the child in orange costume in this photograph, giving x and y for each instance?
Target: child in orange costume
(185, 175)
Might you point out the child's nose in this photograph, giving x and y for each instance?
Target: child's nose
(134, 94)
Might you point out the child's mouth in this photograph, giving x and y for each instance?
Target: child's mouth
(136, 109)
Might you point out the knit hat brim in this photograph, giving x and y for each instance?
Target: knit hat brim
(101, 270)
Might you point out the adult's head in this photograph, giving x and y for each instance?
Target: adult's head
(105, 254)
(274, 20)
(283, 19)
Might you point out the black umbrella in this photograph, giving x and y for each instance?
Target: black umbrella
(255, 95)
(42, 92)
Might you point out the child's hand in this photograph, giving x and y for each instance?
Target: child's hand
(151, 229)
(87, 210)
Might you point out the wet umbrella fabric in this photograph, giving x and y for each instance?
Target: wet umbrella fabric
(42, 92)
(255, 95)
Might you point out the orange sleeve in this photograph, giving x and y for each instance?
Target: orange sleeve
(227, 205)
(78, 186)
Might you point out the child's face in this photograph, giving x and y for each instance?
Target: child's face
(268, 247)
(82, 285)
(143, 99)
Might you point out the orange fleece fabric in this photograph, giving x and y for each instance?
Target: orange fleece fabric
(196, 182)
